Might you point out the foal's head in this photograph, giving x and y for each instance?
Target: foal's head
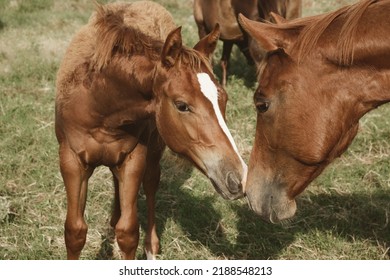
(308, 108)
(190, 110)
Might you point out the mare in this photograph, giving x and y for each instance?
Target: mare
(224, 12)
(321, 74)
(127, 87)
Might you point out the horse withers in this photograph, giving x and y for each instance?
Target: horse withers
(127, 87)
(321, 74)
(224, 12)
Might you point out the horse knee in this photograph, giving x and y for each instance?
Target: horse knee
(127, 236)
(75, 237)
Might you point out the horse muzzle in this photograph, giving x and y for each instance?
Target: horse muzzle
(270, 203)
(227, 183)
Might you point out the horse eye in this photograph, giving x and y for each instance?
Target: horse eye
(182, 107)
(262, 106)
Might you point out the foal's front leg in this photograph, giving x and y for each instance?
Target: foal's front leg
(129, 176)
(75, 177)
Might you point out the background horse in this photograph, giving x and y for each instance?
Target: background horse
(288, 9)
(320, 76)
(126, 87)
(224, 12)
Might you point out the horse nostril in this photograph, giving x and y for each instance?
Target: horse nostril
(234, 183)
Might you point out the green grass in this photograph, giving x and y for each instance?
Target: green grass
(342, 215)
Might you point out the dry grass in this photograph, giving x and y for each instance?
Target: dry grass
(343, 215)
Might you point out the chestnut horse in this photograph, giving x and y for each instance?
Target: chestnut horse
(126, 87)
(224, 12)
(320, 76)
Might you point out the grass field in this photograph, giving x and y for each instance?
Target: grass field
(344, 214)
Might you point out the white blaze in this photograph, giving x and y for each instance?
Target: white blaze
(210, 90)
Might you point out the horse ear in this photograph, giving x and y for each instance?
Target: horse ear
(207, 44)
(172, 48)
(278, 19)
(268, 36)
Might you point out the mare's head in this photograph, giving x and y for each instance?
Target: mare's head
(308, 106)
(190, 112)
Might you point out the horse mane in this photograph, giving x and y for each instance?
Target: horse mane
(314, 27)
(113, 36)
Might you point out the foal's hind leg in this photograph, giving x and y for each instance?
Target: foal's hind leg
(129, 176)
(75, 178)
(150, 183)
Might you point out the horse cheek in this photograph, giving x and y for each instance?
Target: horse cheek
(167, 126)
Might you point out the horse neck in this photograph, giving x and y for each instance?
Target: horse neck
(373, 87)
(129, 82)
(378, 90)
(354, 90)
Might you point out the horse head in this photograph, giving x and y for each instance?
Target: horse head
(190, 109)
(308, 106)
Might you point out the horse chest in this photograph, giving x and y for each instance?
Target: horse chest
(107, 147)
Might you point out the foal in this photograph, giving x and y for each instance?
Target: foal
(320, 76)
(126, 87)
